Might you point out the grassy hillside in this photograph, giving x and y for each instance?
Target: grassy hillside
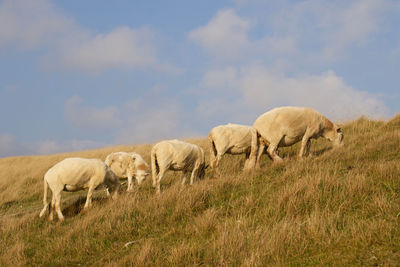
(337, 207)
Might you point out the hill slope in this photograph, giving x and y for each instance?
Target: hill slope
(337, 207)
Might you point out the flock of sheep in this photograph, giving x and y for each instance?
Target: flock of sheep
(278, 127)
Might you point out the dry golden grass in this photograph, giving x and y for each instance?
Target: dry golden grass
(337, 207)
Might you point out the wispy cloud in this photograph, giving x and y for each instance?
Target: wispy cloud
(122, 47)
(261, 89)
(7, 145)
(28, 24)
(88, 117)
(39, 25)
(163, 119)
(54, 146)
(137, 120)
(258, 55)
(309, 34)
(351, 26)
(329, 28)
(12, 146)
(224, 36)
(311, 31)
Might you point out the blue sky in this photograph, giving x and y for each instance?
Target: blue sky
(78, 75)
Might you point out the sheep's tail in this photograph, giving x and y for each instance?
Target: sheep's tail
(213, 153)
(154, 167)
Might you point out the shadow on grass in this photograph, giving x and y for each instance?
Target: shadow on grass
(76, 207)
(321, 151)
(9, 204)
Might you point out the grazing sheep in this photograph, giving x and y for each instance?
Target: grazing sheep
(232, 139)
(74, 174)
(128, 165)
(285, 126)
(177, 156)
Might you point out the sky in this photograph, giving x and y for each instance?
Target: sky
(77, 75)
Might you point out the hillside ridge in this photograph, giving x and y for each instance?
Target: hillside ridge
(337, 207)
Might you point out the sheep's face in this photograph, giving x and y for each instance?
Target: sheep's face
(334, 135)
(141, 176)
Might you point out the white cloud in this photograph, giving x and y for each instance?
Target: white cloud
(261, 89)
(138, 120)
(225, 35)
(90, 117)
(122, 47)
(276, 46)
(311, 31)
(326, 92)
(330, 28)
(151, 123)
(353, 25)
(53, 146)
(11, 146)
(226, 78)
(29, 24)
(26, 24)
(358, 21)
(293, 38)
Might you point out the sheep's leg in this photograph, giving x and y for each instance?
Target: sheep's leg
(216, 164)
(160, 176)
(89, 197)
(250, 164)
(130, 186)
(45, 203)
(58, 206)
(305, 146)
(307, 150)
(260, 152)
(183, 177)
(155, 175)
(194, 173)
(272, 152)
(52, 207)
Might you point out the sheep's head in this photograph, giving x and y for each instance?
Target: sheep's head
(141, 176)
(202, 170)
(335, 135)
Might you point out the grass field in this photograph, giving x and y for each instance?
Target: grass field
(338, 207)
